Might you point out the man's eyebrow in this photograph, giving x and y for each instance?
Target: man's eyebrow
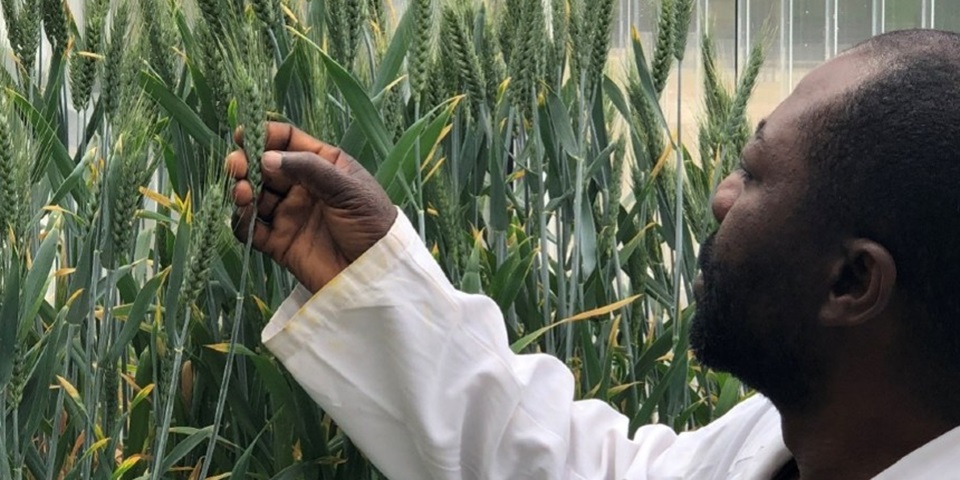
(760, 126)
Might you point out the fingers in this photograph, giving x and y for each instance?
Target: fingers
(236, 164)
(283, 136)
(273, 179)
(281, 170)
(262, 231)
(266, 204)
(316, 174)
(286, 137)
(276, 223)
(242, 194)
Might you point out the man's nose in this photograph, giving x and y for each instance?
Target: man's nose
(727, 193)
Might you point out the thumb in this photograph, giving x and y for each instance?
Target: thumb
(319, 176)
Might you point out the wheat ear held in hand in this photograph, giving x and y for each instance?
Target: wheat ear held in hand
(252, 116)
(251, 94)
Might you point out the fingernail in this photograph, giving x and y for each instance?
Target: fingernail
(271, 161)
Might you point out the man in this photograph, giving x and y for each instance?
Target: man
(828, 287)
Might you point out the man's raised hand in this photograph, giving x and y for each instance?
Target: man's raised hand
(318, 209)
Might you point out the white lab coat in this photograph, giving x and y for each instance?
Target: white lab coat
(422, 379)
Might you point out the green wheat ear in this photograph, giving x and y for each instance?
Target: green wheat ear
(494, 68)
(252, 118)
(526, 62)
(205, 236)
(55, 23)
(129, 167)
(560, 11)
(113, 63)
(465, 57)
(249, 69)
(344, 29)
(266, 11)
(87, 50)
(421, 47)
(95, 185)
(684, 13)
(738, 129)
(19, 376)
(8, 189)
(16, 158)
(601, 28)
(663, 51)
(11, 21)
(214, 72)
(161, 33)
(23, 31)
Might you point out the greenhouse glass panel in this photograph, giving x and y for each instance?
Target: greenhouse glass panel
(903, 14)
(855, 22)
(946, 14)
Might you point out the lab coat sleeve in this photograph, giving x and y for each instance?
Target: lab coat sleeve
(422, 379)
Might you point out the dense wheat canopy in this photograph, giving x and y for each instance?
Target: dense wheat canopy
(528, 144)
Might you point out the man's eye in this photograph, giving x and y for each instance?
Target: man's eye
(744, 173)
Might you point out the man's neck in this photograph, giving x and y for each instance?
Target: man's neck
(859, 433)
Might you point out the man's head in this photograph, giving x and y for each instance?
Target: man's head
(838, 236)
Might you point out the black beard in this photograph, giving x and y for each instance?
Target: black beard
(724, 337)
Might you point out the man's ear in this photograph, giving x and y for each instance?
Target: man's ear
(861, 284)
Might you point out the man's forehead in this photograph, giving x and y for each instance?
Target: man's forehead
(821, 88)
(839, 75)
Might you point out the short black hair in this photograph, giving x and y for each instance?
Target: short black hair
(885, 165)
